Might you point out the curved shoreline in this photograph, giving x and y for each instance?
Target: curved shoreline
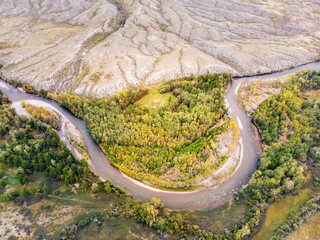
(63, 132)
(199, 199)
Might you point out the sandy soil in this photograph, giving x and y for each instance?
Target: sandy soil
(96, 48)
(230, 145)
(252, 93)
(13, 223)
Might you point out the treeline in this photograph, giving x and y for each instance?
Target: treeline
(289, 124)
(289, 113)
(146, 143)
(32, 147)
(27, 88)
(153, 214)
(42, 114)
(295, 220)
(280, 171)
(4, 99)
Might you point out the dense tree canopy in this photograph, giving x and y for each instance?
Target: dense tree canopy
(147, 142)
(31, 146)
(290, 128)
(289, 124)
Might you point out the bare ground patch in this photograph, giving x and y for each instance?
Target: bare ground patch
(253, 92)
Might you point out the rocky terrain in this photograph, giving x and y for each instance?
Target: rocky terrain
(98, 47)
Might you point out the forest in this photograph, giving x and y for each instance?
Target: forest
(290, 128)
(290, 154)
(42, 114)
(148, 142)
(289, 125)
(30, 146)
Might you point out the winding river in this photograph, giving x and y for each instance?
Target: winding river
(201, 199)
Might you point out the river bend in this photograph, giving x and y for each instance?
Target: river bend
(200, 199)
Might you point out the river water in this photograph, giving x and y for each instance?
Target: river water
(201, 199)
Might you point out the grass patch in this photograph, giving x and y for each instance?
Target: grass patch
(98, 38)
(12, 180)
(87, 200)
(94, 78)
(309, 231)
(9, 175)
(279, 211)
(3, 142)
(84, 70)
(154, 99)
(117, 229)
(312, 95)
(218, 219)
(154, 137)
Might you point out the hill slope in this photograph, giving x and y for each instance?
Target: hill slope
(99, 47)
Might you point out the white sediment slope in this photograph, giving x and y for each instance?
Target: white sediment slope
(97, 48)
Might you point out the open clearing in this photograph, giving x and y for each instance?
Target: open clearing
(279, 211)
(154, 99)
(309, 230)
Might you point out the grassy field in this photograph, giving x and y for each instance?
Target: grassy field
(117, 229)
(46, 215)
(279, 211)
(216, 220)
(310, 230)
(154, 99)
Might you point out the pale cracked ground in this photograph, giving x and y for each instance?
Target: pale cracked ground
(99, 47)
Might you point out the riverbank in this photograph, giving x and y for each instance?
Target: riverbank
(68, 131)
(202, 199)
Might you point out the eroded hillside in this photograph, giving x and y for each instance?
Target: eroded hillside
(98, 47)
